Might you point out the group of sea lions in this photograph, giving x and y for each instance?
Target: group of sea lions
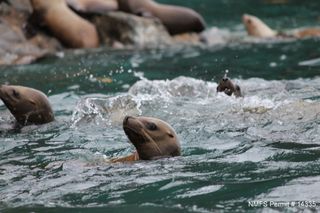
(69, 20)
(74, 31)
(152, 137)
(63, 19)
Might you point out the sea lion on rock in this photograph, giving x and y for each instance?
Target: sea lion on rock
(28, 106)
(93, 6)
(228, 87)
(175, 18)
(152, 138)
(67, 26)
(256, 27)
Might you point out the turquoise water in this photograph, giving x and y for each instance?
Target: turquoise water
(263, 147)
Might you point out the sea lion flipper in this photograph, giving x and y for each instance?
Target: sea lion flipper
(130, 158)
(237, 92)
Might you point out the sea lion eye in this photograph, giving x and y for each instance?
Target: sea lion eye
(152, 126)
(15, 93)
(249, 21)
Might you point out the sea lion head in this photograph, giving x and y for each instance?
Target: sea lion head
(28, 106)
(256, 27)
(152, 137)
(228, 87)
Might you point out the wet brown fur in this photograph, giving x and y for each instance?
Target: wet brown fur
(27, 105)
(72, 30)
(229, 88)
(175, 18)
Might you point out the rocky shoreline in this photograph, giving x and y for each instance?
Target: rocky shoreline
(23, 42)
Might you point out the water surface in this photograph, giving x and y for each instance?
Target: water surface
(264, 146)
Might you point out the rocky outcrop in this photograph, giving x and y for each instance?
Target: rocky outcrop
(15, 47)
(131, 30)
(24, 39)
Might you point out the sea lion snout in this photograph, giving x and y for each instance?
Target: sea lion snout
(246, 18)
(126, 119)
(9, 94)
(130, 123)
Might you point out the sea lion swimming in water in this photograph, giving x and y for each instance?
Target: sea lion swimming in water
(256, 27)
(228, 87)
(93, 6)
(152, 138)
(176, 19)
(67, 26)
(27, 105)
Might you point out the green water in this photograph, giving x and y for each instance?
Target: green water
(263, 147)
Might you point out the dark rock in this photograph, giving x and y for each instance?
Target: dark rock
(15, 47)
(131, 30)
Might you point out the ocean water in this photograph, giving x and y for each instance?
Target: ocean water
(238, 154)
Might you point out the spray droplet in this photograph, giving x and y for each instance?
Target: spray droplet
(226, 74)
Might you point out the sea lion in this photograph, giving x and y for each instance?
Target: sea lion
(68, 27)
(228, 87)
(28, 106)
(175, 18)
(152, 138)
(93, 6)
(256, 27)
